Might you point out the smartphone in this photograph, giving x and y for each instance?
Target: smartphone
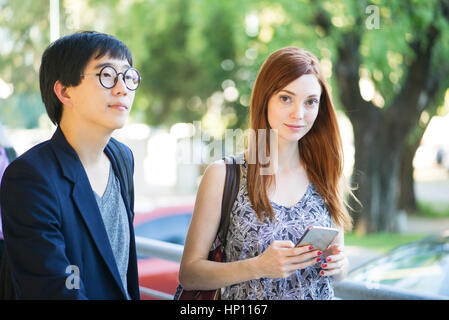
(318, 237)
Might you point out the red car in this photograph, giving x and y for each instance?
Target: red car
(168, 224)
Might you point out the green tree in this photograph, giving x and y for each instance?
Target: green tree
(179, 46)
(187, 51)
(404, 59)
(24, 33)
(407, 197)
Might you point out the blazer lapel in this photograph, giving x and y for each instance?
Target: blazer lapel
(87, 205)
(84, 200)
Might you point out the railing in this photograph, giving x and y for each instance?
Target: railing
(346, 289)
(162, 250)
(355, 290)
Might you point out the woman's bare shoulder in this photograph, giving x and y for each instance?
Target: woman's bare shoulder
(215, 172)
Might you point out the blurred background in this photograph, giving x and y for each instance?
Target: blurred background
(387, 63)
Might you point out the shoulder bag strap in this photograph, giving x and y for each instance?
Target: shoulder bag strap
(123, 166)
(231, 188)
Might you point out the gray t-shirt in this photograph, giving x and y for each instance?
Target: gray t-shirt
(115, 218)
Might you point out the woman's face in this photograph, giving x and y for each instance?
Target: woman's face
(294, 108)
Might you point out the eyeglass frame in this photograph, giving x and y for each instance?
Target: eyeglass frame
(116, 77)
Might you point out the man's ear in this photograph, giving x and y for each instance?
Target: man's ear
(62, 93)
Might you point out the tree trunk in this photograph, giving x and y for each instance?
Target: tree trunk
(375, 175)
(380, 133)
(407, 198)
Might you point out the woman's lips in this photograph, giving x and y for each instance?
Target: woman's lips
(118, 107)
(294, 127)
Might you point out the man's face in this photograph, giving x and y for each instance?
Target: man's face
(93, 104)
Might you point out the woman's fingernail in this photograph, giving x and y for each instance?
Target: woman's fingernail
(324, 265)
(318, 260)
(319, 253)
(329, 259)
(311, 247)
(322, 273)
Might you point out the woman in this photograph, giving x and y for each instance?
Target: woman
(273, 210)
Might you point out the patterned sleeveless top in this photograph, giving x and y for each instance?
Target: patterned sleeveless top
(249, 237)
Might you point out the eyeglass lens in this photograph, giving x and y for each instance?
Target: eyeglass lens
(109, 77)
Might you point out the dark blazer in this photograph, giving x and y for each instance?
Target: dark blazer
(53, 227)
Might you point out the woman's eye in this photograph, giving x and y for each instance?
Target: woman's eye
(286, 99)
(312, 102)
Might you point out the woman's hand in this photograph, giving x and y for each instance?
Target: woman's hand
(282, 258)
(335, 263)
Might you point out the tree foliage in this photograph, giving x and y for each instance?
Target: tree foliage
(186, 50)
(202, 56)
(24, 32)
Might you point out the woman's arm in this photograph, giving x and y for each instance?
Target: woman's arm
(197, 272)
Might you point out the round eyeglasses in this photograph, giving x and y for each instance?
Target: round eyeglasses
(108, 77)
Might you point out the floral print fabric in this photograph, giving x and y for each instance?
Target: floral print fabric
(249, 237)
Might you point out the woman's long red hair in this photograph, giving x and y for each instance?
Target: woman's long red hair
(320, 149)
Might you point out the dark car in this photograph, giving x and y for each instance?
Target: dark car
(420, 266)
(169, 224)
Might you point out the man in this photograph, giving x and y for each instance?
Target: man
(67, 220)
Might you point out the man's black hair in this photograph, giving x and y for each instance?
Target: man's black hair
(65, 60)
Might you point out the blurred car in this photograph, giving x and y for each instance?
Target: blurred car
(420, 266)
(168, 224)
